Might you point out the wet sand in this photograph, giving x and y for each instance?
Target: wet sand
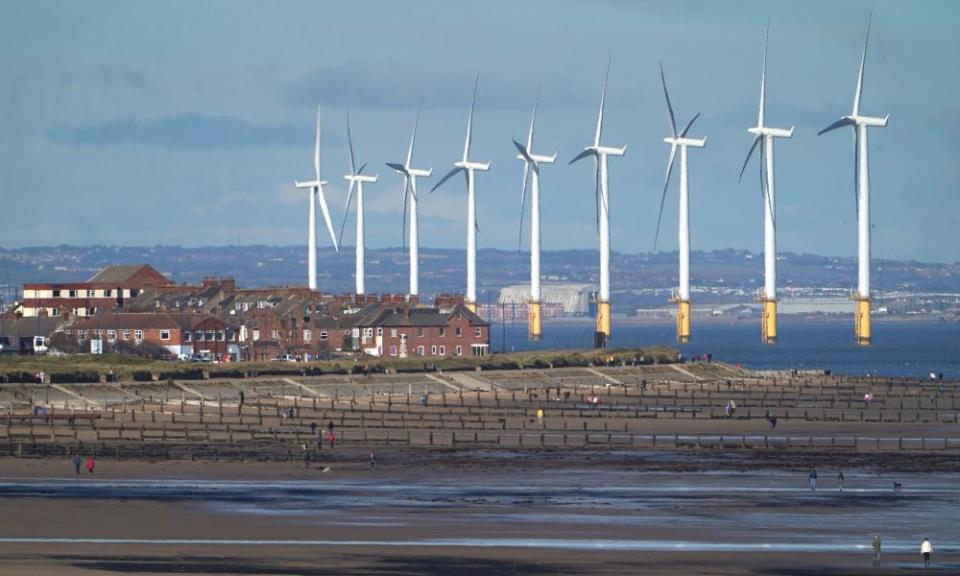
(436, 512)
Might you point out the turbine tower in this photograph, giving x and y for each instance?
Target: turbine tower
(764, 137)
(357, 180)
(602, 197)
(410, 175)
(533, 161)
(316, 192)
(468, 167)
(859, 123)
(680, 141)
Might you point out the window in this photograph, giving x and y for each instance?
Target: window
(134, 292)
(393, 332)
(478, 332)
(275, 334)
(211, 336)
(368, 332)
(138, 335)
(379, 331)
(91, 293)
(419, 350)
(459, 351)
(56, 293)
(187, 336)
(459, 332)
(443, 350)
(433, 350)
(256, 334)
(72, 293)
(54, 311)
(221, 336)
(443, 331)
(323, 335)
(126, 334)
(164, 334)
(198, 337)
(393, 350)
(107, 293)
(420, 332)
(307, 335)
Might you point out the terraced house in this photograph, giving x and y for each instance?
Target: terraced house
(183, 334)
(410, 331)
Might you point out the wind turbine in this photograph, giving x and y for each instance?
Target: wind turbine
(680, 141)
(860, 123)
(602, 196)
(357, 180)
(764, 137)
(316, 191)
(410, 175)
(468, 167)
(531, 160)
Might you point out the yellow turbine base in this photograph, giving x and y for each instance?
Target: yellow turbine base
(603, 324)
(471, 306)
(863, 321)
(683, 321)
(533, 321)
(769, 321)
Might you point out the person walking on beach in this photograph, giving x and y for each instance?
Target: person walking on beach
(813, 479)
(926, 549)
(877, 544)
(840, 479)
(373, 460)
(539, 415)
(91, 464)
(77, 462)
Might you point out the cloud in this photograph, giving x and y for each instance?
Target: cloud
(199, 131)
(398, 85)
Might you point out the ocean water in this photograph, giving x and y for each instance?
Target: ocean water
(900, 348)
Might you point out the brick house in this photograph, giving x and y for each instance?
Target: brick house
(109, 289)
(408, 331)
(180, 333)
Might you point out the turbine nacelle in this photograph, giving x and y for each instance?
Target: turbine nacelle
(468, 165)
(684, 141)
(420, 173)
(772, 132)
(871, 121)
(360, 178)
(311, 184)
(538, 158)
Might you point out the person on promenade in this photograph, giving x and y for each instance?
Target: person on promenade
(373, 460)
(877, 545)
(77, 462)
(840, 479)
(91, 464)
(926, 549)
(812, 477)
(539, 415)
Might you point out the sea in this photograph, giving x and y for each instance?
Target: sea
(913, 348)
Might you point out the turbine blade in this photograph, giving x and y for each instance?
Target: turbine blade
(663, 197)
(406, 192)
(763, 77)
(469, 138)
(326, 217)
(586, 152)
(449, 175)
(603, 99)
(689, 124)
(673, 121)
(413, 137)
(753, 147)
(346, 209)
(596, 189)
(863, 60)
(845, 121)
(523, 152)
(523, 194)
(362, 167)
(533, 120)
(350, 143)
(398, 167)
(856, 171)
(316, 148)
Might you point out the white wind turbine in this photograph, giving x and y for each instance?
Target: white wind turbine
(468, 168)
(531, 160)
(764, 137)
(680, 141)
(602, 197)
(410, 175)
(860, 123)
(316, 192)
(357, 180)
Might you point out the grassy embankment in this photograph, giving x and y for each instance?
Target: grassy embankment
(90, 368)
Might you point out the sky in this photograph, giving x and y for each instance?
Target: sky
(184, 122)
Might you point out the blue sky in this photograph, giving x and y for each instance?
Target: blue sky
(187, 122)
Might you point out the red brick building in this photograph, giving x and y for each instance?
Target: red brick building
(180, 333)
(407, 331)
(111, 288)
